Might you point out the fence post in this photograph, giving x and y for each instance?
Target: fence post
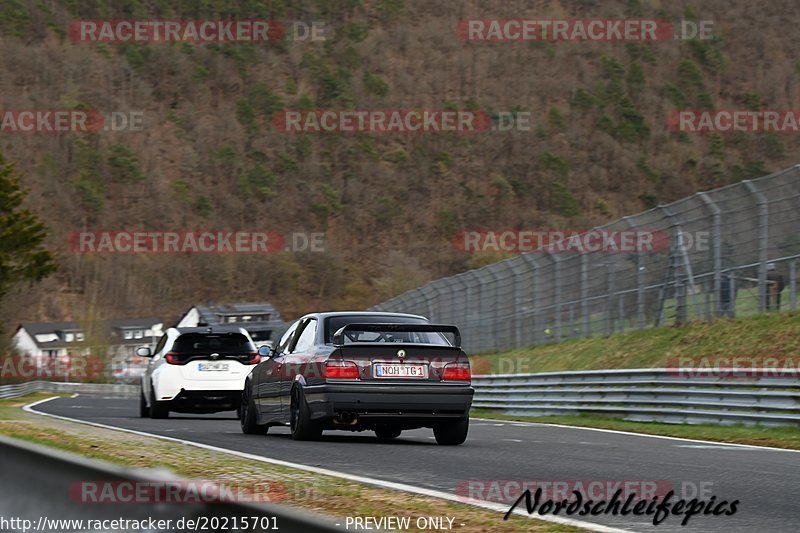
(717, 250)
(518, 301)
(557, 296)
(585, 294)
(677, 257)
(640, 318)
(793, 284)
(610, 298)
(763, 236)
(535, 318)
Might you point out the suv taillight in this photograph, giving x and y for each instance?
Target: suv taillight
(172, 358)
(340, 370)
(457, 372)
(253, 359)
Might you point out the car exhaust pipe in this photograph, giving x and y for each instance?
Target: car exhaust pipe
(347, 418)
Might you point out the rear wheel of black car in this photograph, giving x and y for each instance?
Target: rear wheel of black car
(387, 432)
(451, 433)
(144, 411)
(303, 428)
(248, 418)
(157, 409)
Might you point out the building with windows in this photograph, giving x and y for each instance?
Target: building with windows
(117, 341)
(261, 320)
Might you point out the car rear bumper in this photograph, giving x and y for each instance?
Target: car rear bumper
(169, 389)
(386, 401)
(206, 401)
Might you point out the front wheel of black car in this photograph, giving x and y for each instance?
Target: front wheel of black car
(248, 418)
(303, 428)
(451, 433)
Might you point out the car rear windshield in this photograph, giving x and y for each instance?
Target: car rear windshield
(221, 343)
(334, 323)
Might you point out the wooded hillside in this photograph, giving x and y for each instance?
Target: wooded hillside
(208, 156)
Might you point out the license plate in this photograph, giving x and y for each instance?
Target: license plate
(214, 366)
(400, 371)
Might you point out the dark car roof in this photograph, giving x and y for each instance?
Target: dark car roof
(212, 329)
(328, 314)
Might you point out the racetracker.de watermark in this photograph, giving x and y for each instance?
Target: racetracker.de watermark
(194, 242)
(495, 30)
(195, 31)
(734, 121)
(381, 121)
(20, 367)
(175, 492)
(574, 241)
(69, 121)
(733, 367)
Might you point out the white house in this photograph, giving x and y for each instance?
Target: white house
(61, 340)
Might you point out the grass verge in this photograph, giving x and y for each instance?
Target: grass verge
(772, 335)
(305, 490)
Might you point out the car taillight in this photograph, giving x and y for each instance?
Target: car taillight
(172, 358)
(253, 359)
(457, 372)
(341, 370)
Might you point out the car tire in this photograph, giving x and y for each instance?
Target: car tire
(144, 411)
(157, 409)
(247, 414)
(451, 433)
(385, 433)
(303, 428)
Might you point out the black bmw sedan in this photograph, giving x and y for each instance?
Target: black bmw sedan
(357, 371)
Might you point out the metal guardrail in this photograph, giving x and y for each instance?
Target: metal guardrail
(767, 397)
(110, 389)
(43, 484)
(716, 396)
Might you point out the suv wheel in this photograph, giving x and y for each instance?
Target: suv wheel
(144, 411)
(247, 414)
(157, 409)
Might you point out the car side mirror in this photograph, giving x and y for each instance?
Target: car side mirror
(144, 351)
(265, 351)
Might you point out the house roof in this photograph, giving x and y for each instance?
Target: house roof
(209, 314)
(44, 328)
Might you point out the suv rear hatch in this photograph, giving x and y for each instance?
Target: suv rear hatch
(213, 356)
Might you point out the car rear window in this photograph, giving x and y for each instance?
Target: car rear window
(221, 343)
(334, 323)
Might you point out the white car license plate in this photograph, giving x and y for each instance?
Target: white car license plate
(400, 371)
(214, 366)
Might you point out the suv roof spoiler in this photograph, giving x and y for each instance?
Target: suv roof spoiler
(338, 337)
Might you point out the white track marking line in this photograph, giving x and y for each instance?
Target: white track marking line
(350, 477)
(683, 439)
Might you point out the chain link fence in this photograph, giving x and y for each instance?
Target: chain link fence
(732, 252)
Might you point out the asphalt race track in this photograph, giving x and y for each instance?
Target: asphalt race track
(762, 479)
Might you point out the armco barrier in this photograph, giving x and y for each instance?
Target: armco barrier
(39, 485)
(110, 389)
(717, 396)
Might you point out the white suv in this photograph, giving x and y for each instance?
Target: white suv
(196, 370)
